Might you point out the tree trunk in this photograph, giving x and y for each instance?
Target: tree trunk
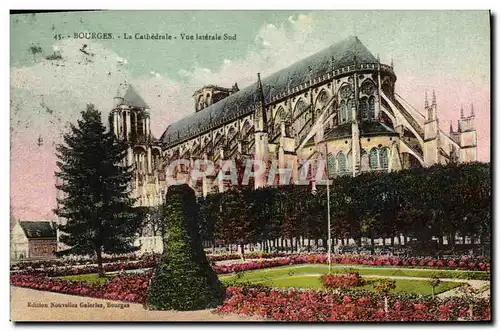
(392, 241)
(99, 263)
(213, 246)
(242, 247)
(440, 242)
(404, 240)
(452, 242)
(372, 242)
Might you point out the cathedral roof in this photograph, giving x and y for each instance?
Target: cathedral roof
(242, 103)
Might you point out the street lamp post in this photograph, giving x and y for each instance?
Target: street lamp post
(328, 218)
(329, 245)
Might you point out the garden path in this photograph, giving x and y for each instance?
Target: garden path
(20, 297)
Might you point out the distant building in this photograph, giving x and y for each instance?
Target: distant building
(34, 240)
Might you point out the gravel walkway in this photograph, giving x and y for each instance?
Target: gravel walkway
(23, 299)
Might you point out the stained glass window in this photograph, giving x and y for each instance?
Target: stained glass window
(342, 162)
(384, 159)
(374, 158)
(331, 165)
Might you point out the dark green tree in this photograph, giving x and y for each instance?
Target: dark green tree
(96, 204)
(210, 213)
(184, 279)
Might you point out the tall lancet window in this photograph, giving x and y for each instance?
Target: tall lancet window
(371, 107)
(343, 112)
(363, 105)
(374, 158)
(342, 162)
(350, 105)
(331, 164)
(384, 158)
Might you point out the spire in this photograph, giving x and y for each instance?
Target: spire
(462, 112)
(261, 112)
(434, 98)
(451, 126)
(472, 110)
(392, 62)
(378, 58)
(426, 101)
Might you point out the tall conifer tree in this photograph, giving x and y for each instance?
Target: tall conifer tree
(96, 204)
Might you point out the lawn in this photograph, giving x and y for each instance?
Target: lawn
(308, 276)
(89, 278)
(262, 274)
(402, 285)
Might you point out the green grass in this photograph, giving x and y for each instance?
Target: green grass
(93, 279)
(261, 274)
(413, 286)
(402, 285)
(311, 282)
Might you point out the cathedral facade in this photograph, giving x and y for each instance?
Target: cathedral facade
(338, 105)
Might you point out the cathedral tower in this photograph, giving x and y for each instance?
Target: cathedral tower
(431, 132)
(467, 136)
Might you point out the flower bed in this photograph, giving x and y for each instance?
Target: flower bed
(314, 306)
(79, 261)
(150, 261)
(341, 281)
(131, 288)
(465, 263)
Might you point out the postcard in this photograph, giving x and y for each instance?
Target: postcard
(253, 166)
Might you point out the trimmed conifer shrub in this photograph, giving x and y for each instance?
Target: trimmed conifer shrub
(184, 279)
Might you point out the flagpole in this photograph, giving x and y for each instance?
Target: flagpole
(328, 212)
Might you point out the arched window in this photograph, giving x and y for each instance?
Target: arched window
(343, 111)
(350, 104)
(321, 102)
(299, 108)
(374, 158)
(371, 107)
(331, 165)
(280, 116)
(342, 162)
(364, 160)
(363, 105)
(384, 158)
